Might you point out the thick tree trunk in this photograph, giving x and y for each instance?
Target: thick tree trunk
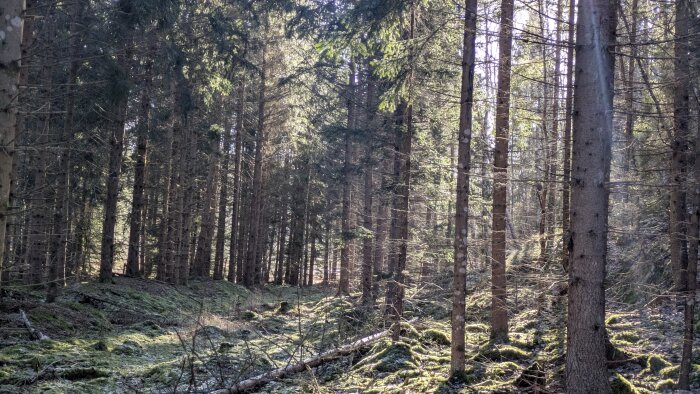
(683, 11)
(461, 239)
(499, 311)
(586, 369)
(168, 187)
(10, 55)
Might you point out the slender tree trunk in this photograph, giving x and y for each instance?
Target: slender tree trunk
(499, 310)
(679, 154)
(202, 260)
(367, 265)
(395, 288)
(586, 369)
(233, 270)
(312, 258)
(566, 182)
(348, 232)
(223, 197)
(256, 199)
(168, 187)
(461, 239)
(137, 204)
(61, 221)
(116, 144)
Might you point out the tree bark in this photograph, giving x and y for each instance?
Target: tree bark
(461, 238)
(679, 153)
(348, 232)
(566, 182)
(499, 311)
(586, 369)
(223, 200)
(133, 268)
(10, 60)
(234, 273)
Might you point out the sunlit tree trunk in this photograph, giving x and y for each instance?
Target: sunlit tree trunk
(461, 238)
(233, 270)
(586, 368)
(347, 230)
(566, 182)
(499, 311)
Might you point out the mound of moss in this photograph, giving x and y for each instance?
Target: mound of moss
(504, 353)
(435, 336)
(620, 385)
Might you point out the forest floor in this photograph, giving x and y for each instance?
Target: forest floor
(144, 336)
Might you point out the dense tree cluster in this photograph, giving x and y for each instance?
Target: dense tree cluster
(366, 145)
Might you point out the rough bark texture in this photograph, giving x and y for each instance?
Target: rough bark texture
(140, 156)
(223, 200)
(461, 239)
(586, 370)
(10, 55)
(499, 312)
(566, 182)
(689, 296)
(679, 153)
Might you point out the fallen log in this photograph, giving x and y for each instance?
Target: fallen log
(310, 362)
(33, 332)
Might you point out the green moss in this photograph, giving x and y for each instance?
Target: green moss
(476, 328)
(666, 384)
(396, 357)
(620, 385)
(101, 346)
(500, 370)
(462, 377)
(249, 315)
(436, 336)
(627, 336)
(504, 352)
(128, 348)
(670, 372)
(613, 319)
(656, 363)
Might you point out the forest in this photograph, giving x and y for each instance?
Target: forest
(349, 196)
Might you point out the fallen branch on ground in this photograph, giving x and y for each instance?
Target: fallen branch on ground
(33, 332)
(310, 362)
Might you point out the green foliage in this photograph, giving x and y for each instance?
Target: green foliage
(620, 385)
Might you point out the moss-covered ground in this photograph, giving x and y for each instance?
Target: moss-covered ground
(143, 336)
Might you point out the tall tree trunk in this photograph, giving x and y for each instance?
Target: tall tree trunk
(499, 310)
(689, 304)
(223, 197)
(233, 270)
(461, 239)
(566, 182)
(679, 154)
(586, 369)
(169, 185)
(202, 261)
(10, 59)
(61, 221)
(256, 199)
(133, 268)
(396, 284)
(116, 150)
(347, 230)
(380, 233)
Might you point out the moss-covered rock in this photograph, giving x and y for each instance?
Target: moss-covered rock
(666, 384)
(656, 363)
(101, 346)
(396, 357)
(620, 385)
(627, 336)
